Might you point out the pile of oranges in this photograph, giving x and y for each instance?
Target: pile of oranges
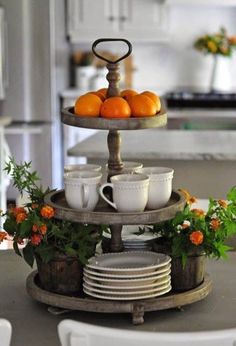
(128, 104)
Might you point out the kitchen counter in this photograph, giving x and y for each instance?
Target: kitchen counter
(163, 144)
(34, 325)
(202, 160)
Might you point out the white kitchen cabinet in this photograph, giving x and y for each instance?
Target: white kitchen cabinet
(136, 20)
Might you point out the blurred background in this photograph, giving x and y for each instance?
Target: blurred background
(46, 63)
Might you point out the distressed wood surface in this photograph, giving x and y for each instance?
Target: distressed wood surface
(136, 308)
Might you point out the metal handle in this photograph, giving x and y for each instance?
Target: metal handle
(95, 43)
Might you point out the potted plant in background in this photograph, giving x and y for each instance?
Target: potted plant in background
(60, 248)
(220, 45)
(194, 234)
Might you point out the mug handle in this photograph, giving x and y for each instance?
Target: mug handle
(104, 197)
(85, 195)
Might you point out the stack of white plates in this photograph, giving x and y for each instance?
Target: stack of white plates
(132, 239)
(127, 275)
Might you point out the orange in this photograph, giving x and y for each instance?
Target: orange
(142, 106)
(103, 91)
(128, 93)
(99, 94)
(88, 105)
(115, 107)
(154, 97)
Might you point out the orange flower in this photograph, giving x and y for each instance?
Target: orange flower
(189, 199)
(17, 210)
(3, 235)
(215, 224)
(35, 228)
(47, 212)
(36, 239)
(232, 40)
(185, 193)
(222, 203)
(198, 212)
(21, 217)
(196, 237)
(34, 205)
(192, 200)
(43, 229)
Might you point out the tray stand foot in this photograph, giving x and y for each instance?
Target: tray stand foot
(138, 314)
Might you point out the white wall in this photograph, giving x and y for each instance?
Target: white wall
(165, 66)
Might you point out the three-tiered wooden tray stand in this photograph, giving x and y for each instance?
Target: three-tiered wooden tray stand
(104, 214)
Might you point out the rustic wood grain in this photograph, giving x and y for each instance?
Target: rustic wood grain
(136, 308)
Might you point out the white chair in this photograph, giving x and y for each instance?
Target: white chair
(73, 333)
(5, 332)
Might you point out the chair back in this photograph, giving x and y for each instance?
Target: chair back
(73, 333)
(5, 332)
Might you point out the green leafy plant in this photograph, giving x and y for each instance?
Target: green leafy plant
(35, 231)
(219, 43)
(193, 231)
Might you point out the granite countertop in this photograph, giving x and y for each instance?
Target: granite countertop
(162, 144)
(5, 120)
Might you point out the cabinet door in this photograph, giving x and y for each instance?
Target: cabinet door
(88, 20)
(136, 20)
(143, 20)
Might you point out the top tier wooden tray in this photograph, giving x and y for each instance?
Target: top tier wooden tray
(69, 118)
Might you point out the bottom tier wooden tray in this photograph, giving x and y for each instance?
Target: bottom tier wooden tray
(136, 308)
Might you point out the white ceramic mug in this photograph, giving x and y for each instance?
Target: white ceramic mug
(129, 166)
(82, 167)
(160, 185)
(82, 189)
(130, 192)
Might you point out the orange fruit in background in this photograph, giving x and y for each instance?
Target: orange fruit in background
(142, 106)
(99, 94)
(88, 105)
(154, 97)
(127, 93)
(115, 107)
(103, 91)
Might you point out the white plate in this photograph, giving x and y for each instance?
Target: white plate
(128, 262)
(126, 293)
(136, 284)
(124, 278)
(159, 271)
(137, 297)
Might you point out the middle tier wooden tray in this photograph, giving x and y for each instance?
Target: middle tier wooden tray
(104, 214)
